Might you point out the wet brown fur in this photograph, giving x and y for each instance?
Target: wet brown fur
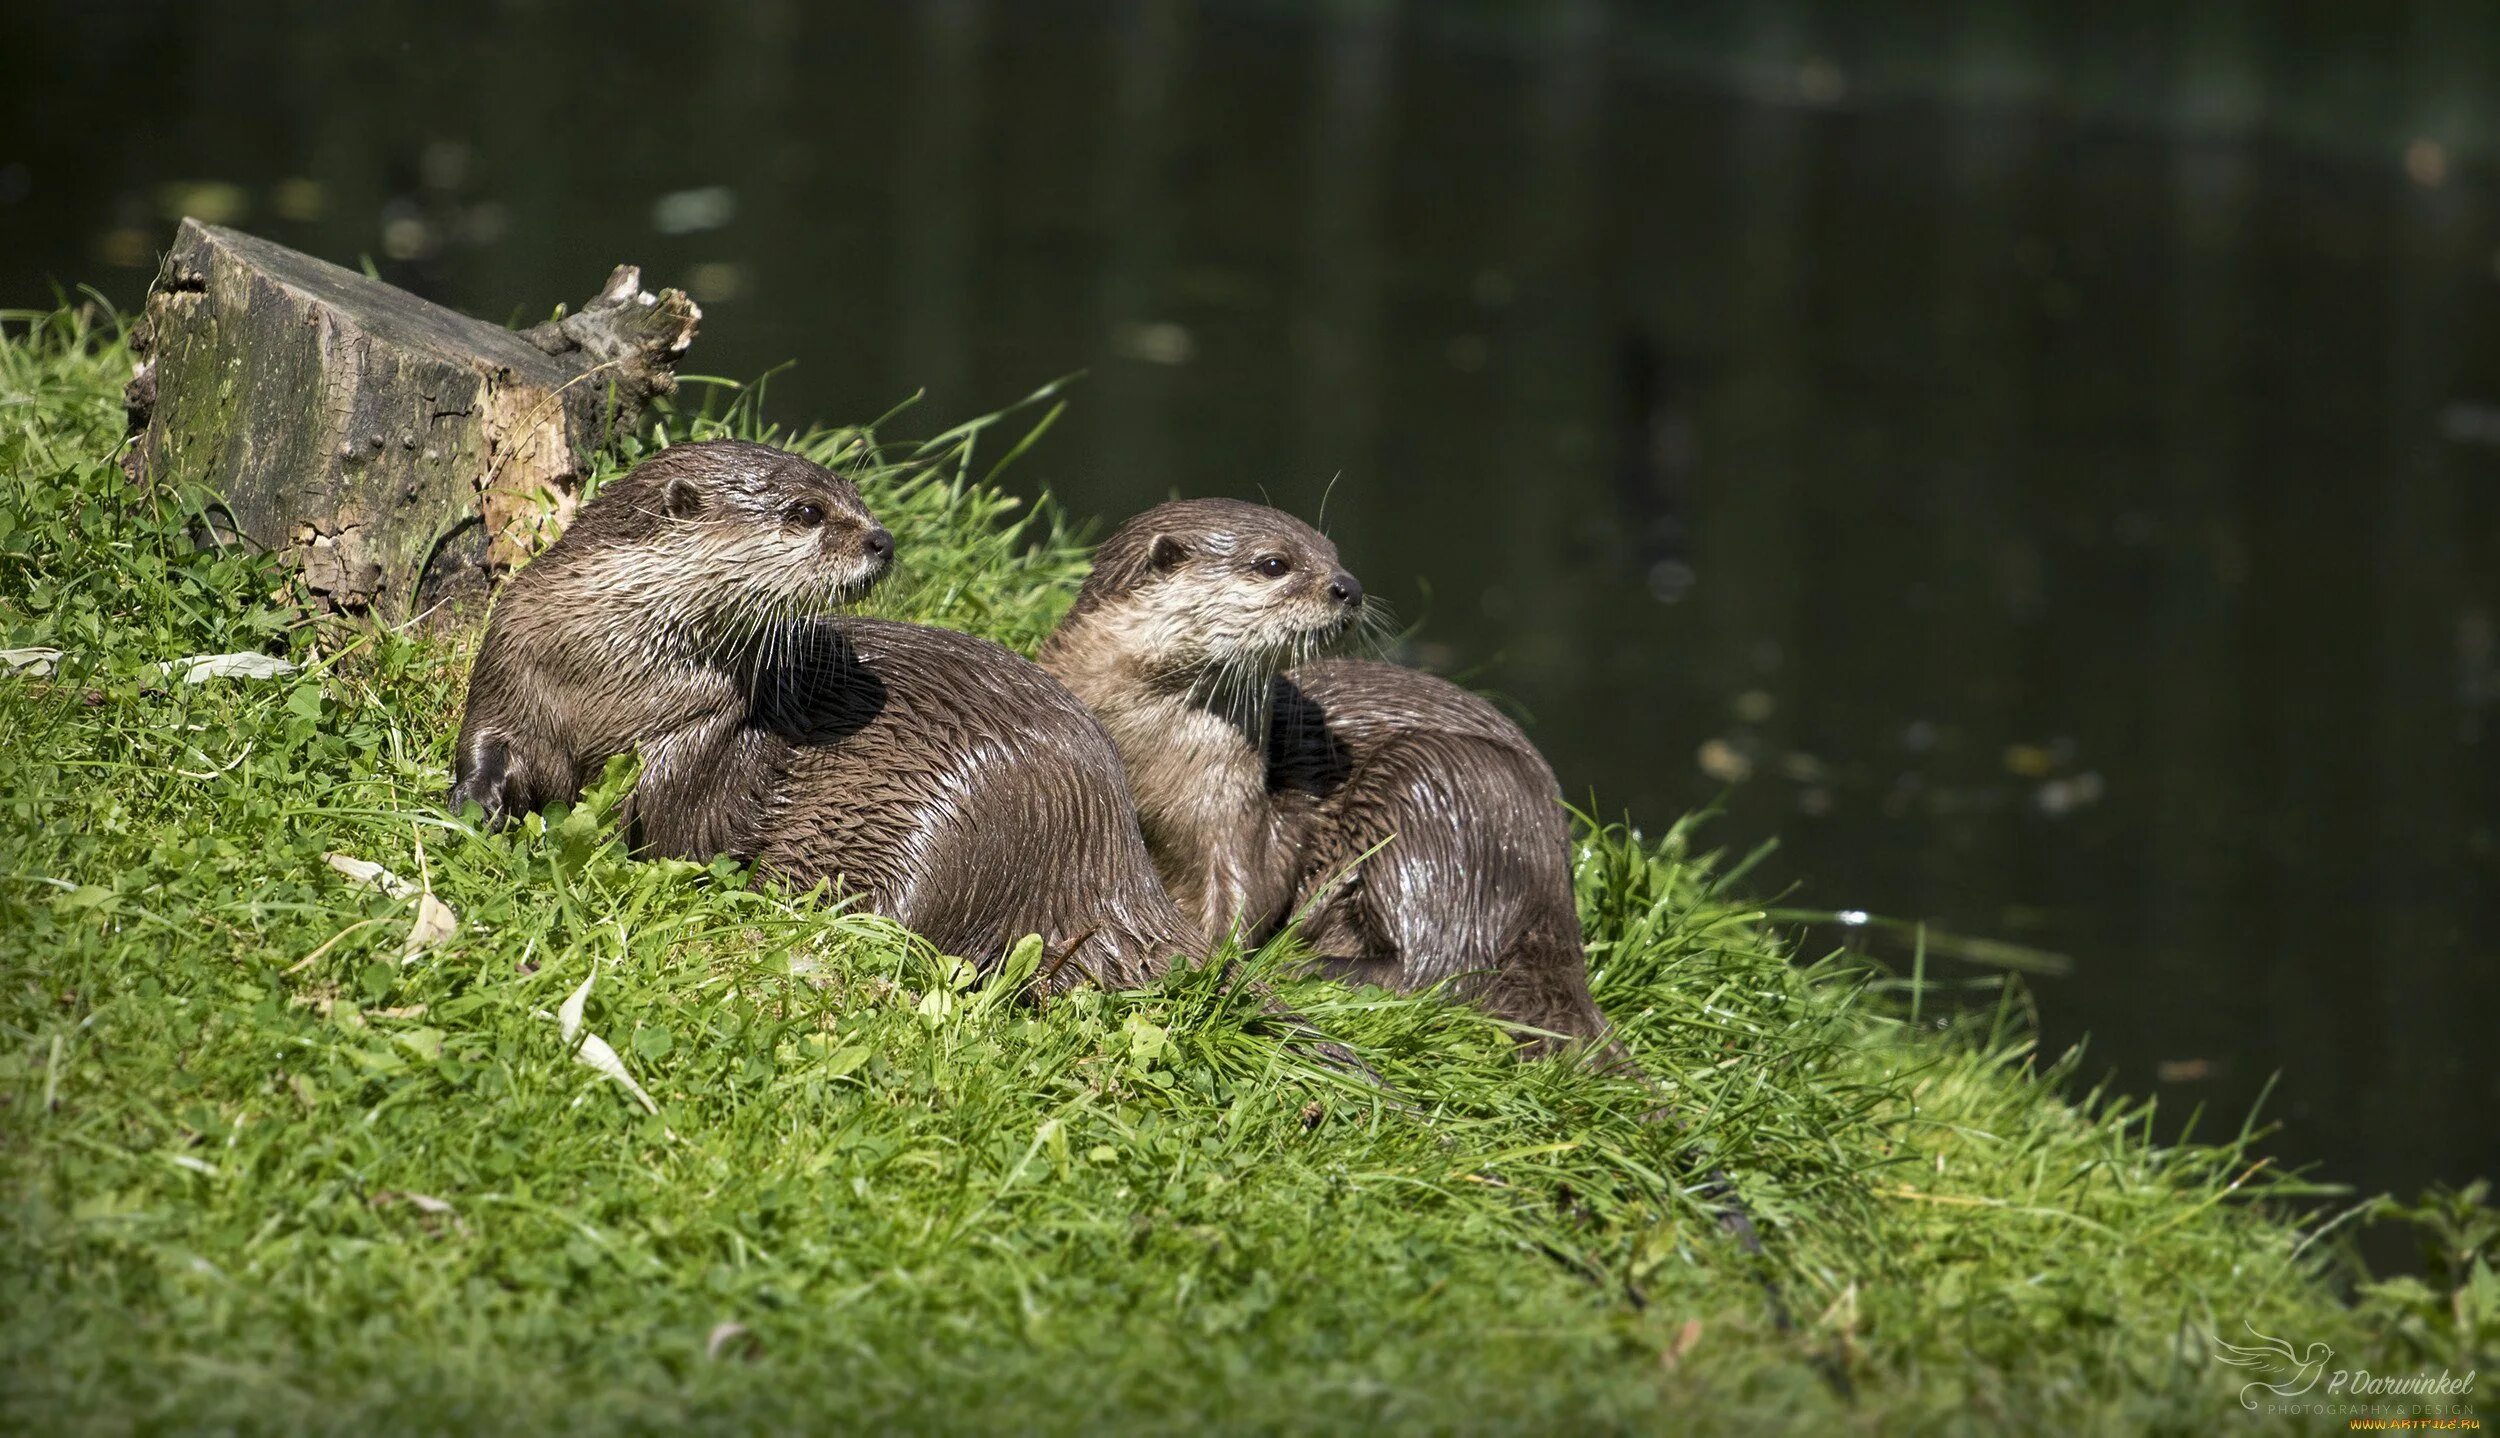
(936, 778)
(1411, 824)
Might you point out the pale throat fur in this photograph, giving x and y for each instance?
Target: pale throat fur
(1192, 610)
(1197, 764)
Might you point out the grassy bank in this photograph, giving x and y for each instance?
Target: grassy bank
(259, 1169)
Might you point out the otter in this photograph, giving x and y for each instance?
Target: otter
(1411, 826)
(932, 777)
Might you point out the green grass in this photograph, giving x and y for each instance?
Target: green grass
(256, 1171)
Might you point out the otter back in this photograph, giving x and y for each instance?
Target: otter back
(943, 781)
(1471, 882)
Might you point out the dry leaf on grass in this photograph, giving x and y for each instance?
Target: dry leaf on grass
(1685, 1338)
(32, 663)
(365, 871)
(200, 668)
(594, 1050)
(435, 924)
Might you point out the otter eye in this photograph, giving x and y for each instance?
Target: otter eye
(1274, 566)
(807, 514)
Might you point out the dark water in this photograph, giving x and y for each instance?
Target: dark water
(2045, 471)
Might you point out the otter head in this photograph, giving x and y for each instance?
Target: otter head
(730, 537)
(1200, 586)
(620, 634)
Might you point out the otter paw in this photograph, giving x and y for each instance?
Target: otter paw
(489, 782)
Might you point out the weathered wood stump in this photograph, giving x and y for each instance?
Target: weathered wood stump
(401, 454)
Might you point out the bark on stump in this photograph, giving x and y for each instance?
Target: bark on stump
(400, 454)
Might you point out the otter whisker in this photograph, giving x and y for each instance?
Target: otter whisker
(1245, 681)
(1374, 627)
(776, 658)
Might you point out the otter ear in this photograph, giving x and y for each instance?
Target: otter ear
(1166, 552)
(682, 499)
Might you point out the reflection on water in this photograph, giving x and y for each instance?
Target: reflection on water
(2047, 473)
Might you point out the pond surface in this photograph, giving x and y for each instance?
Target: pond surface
(2045, 474)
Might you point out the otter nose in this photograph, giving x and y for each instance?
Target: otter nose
(878, 543)
(1346, 589)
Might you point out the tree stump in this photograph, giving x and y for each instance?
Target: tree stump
(400, 454)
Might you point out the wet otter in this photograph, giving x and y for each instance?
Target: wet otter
(1266, 782)
(940, 779)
